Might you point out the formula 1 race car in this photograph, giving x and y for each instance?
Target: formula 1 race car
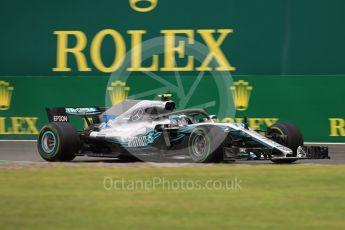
(141, 129)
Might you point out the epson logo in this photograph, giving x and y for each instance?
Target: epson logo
(60, 119)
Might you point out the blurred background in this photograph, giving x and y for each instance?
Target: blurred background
(277, 60)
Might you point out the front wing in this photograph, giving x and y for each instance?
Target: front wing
(263, 153)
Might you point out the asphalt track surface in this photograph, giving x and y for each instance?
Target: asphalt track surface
(26, 152)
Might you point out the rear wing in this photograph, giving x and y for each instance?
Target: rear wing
(61, 114)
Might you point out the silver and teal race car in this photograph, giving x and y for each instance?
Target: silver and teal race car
(153, 131)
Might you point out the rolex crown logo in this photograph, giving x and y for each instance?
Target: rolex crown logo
(118, 92)
(143, 6)
(241, 94)
(5, 95)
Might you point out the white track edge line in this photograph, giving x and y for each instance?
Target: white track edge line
(18, 140)
(324, 143)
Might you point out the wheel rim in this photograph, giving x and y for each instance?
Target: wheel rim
(48, 142)
(200, 145)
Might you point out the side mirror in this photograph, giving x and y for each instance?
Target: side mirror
(213, 117)
(245, 122)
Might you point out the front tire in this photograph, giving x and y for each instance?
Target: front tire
(287, 135)
(206, 144)
(58, 141)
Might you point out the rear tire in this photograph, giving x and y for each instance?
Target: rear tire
(288, 135)
(58, 141)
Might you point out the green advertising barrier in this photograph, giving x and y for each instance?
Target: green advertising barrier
(261, 37)
(314, 103)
